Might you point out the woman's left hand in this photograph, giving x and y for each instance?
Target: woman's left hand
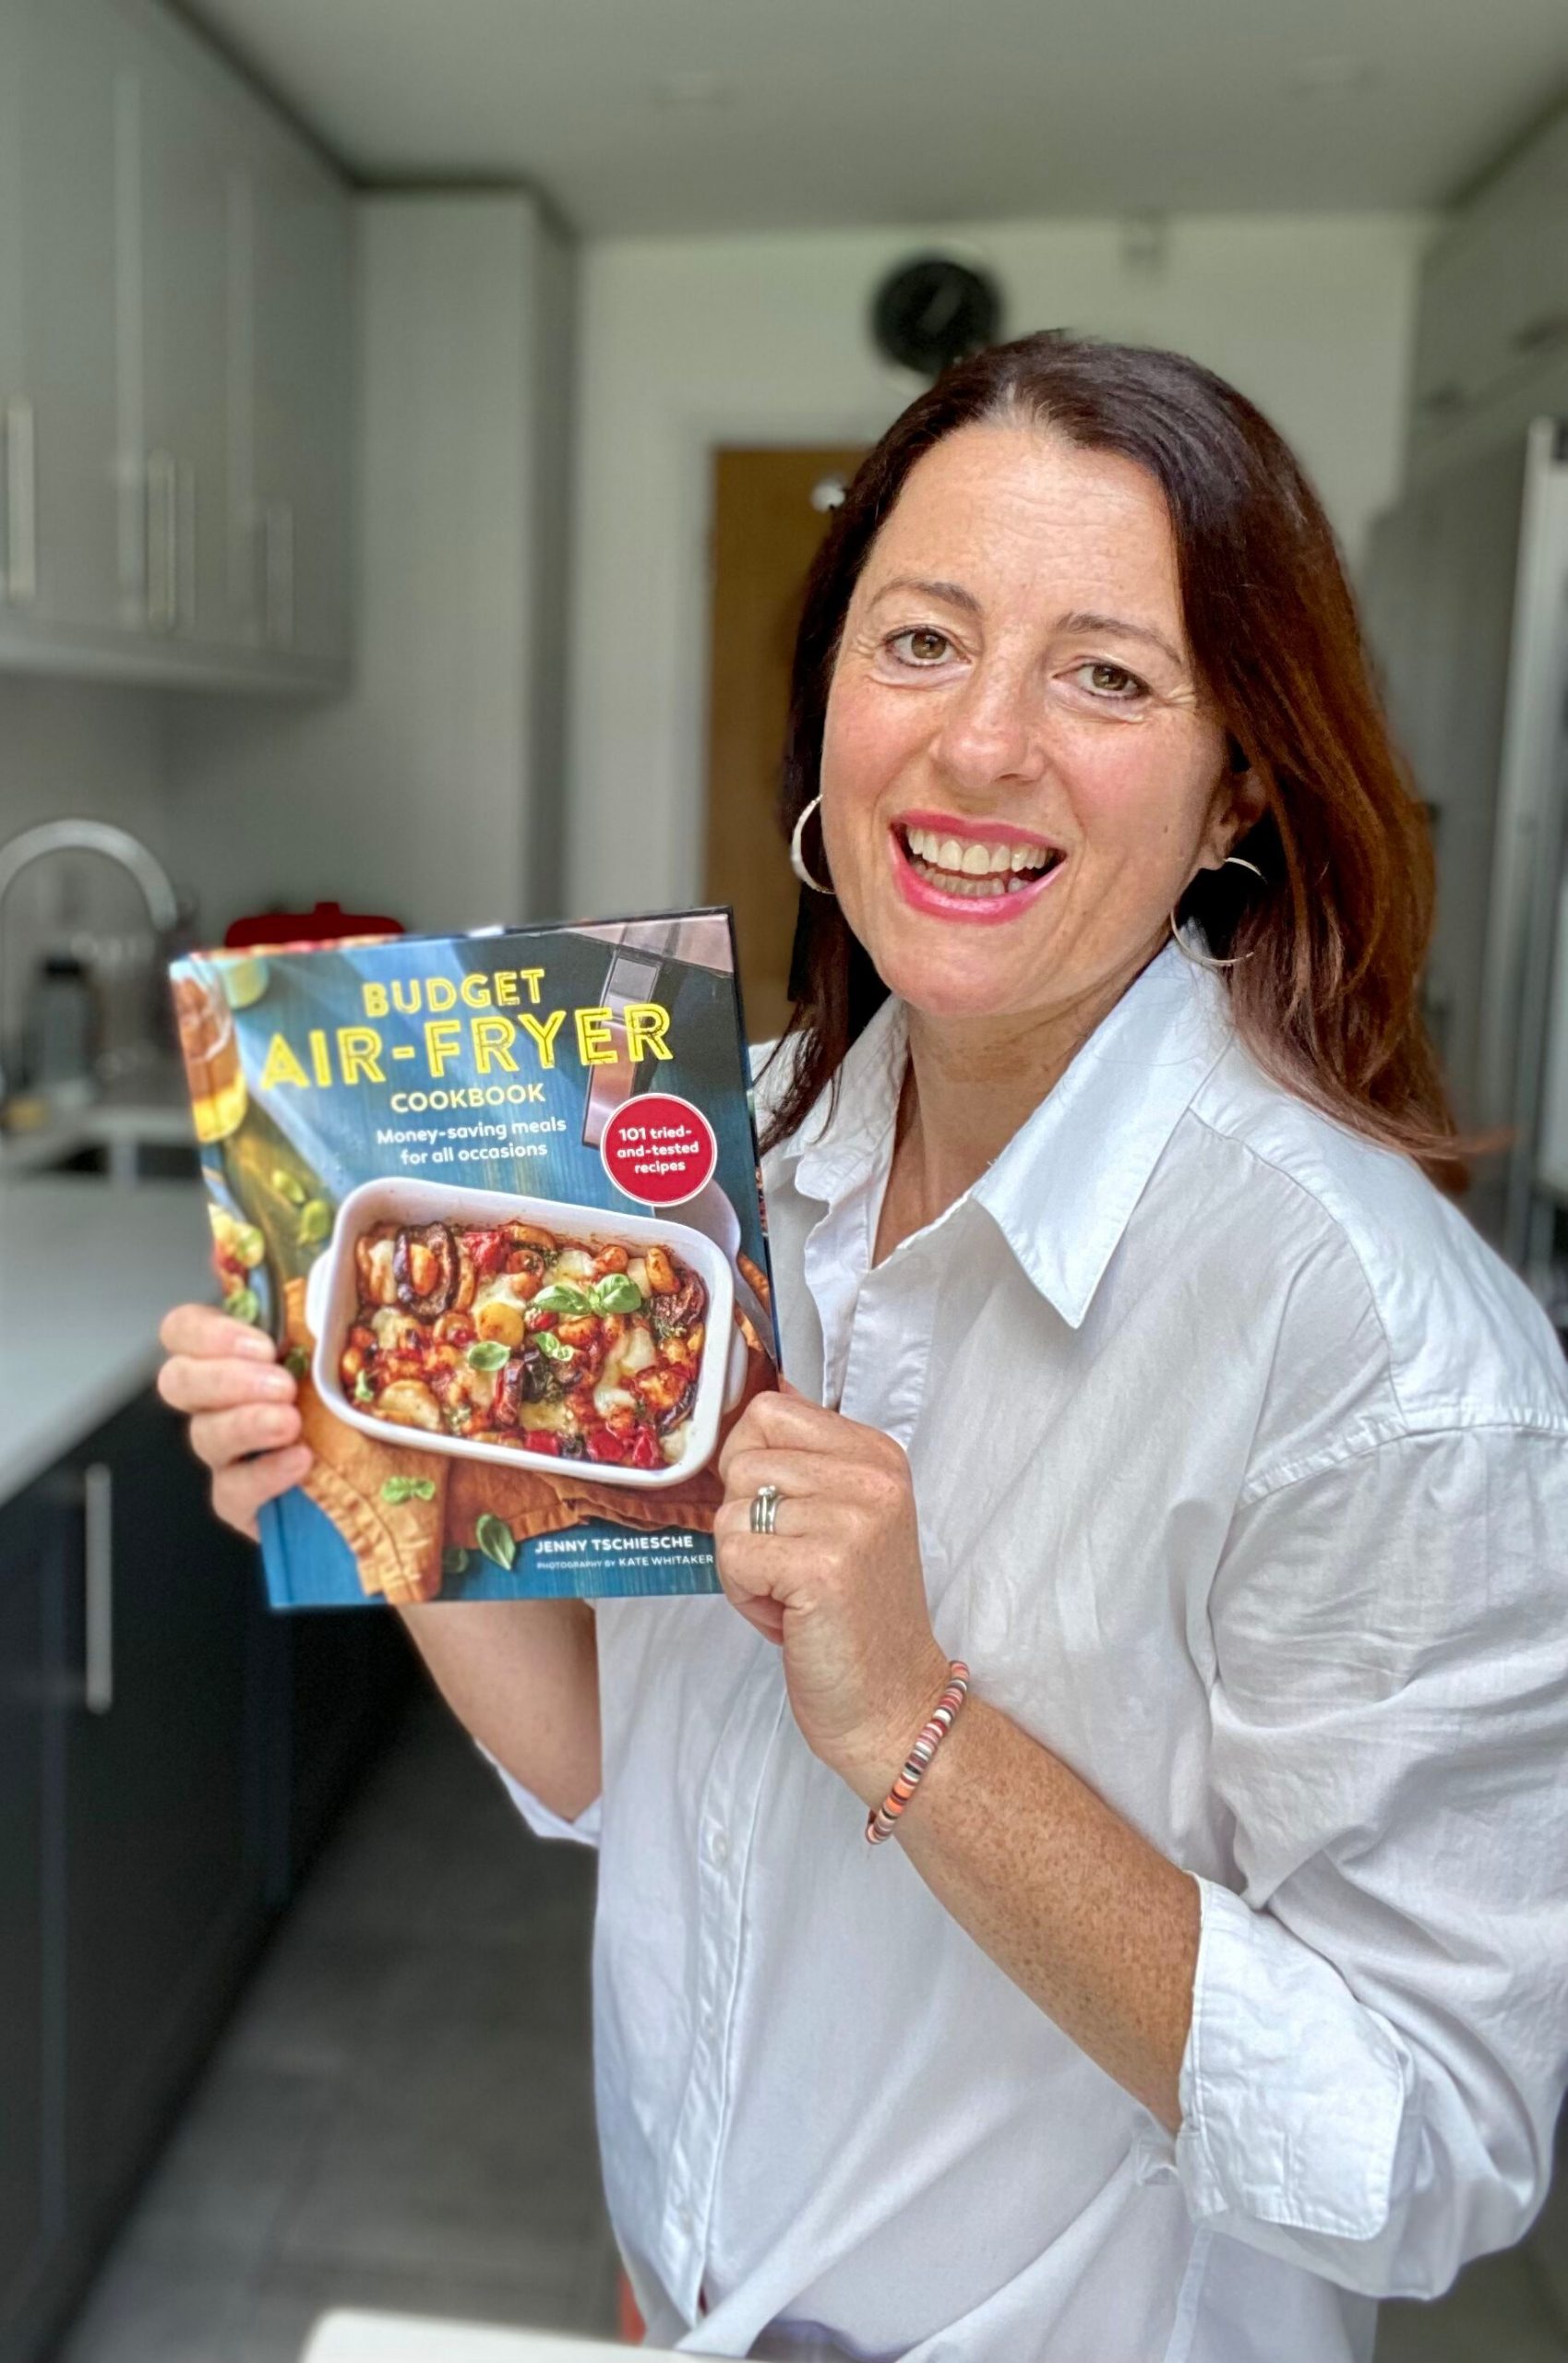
(838, 1583)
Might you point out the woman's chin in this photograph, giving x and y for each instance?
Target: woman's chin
(953, 986)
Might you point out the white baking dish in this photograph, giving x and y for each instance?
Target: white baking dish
(333, 1298)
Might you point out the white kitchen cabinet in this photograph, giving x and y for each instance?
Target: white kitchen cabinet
(176, 249)
(63, 173)
(292, 466)
(1491, 328)
(175, 361)
(14, 586)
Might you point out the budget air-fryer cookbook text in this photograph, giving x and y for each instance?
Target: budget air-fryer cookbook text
(496, 1196)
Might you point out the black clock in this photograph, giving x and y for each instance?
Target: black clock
(932, 311)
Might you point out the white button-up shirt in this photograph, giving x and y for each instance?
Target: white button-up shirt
(1241, 1466)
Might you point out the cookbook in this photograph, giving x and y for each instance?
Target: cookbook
(497, 1198)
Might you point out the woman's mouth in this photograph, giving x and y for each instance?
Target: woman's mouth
(985, 876)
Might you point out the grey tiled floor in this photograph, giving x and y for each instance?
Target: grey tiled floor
(400, 2113)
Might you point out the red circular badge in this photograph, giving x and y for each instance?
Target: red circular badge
(659, 1150)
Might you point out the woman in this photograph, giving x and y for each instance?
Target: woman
(1212, 1987)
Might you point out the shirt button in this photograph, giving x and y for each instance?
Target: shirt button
(719, 1849)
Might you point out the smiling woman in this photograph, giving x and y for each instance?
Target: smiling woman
(1151, 592)
(1162, 1534)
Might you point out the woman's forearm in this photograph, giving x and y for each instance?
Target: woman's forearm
(523, 1675)
(1093, 1922)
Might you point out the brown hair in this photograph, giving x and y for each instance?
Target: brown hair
(1326, 1000)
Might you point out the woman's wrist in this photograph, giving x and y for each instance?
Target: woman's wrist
(878, 1754)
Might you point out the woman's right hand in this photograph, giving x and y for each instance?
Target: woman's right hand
(243, 1416)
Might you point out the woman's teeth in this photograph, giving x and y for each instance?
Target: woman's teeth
(974, 869)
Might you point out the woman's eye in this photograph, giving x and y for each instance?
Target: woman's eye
(1112, 681)
(921, 646)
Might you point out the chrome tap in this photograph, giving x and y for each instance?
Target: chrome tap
(19, 853)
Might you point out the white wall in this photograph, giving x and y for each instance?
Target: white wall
(685, 343)
(417, 794)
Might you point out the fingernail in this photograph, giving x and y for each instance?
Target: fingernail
(276, 1382)
(255, 1341)
(277, 1424)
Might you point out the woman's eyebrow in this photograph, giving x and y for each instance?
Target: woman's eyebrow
(1083, 620)
(954, 594)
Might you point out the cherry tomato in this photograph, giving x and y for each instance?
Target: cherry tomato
(603, 1446)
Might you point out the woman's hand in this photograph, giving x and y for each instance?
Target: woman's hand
(244, 1421)
(838, 1583)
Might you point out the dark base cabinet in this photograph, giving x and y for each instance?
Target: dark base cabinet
(170, 1755)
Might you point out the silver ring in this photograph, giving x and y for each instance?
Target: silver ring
(764, 1510)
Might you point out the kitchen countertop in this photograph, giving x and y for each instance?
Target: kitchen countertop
(88, 1268)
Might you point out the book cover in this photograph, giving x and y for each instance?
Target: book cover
(497, 1198)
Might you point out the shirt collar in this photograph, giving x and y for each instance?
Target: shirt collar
(1064, 1188)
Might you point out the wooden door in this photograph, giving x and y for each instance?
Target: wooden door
(770, 511)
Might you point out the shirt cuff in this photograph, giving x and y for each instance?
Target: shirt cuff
(1296, 2099)
(540, 1817)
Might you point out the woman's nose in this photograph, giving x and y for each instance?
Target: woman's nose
(991, 728)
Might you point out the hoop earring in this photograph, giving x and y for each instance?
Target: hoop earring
(1197, 958)
(797, 859)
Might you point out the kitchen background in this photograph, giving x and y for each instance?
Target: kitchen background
(413, 426)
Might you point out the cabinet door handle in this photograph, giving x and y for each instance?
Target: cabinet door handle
(162, 542)
(185, 561)
(278, 526)
(21, 505)
(98, 1522)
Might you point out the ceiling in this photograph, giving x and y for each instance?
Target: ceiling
(643, 117)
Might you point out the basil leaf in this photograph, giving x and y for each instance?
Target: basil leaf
(409, 1489)
(562, 1297)
(243, 1304)
(486, 1353)
(552, 1346)
(363, 1390)
(296, 1361)
(617, 1292)
(455, 1563)
(293, 1192)
(494, 1537)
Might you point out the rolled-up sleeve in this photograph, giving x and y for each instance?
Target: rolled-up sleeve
(540, 1818)
(1379, 2040)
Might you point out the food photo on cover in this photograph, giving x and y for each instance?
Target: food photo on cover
(783, 1182)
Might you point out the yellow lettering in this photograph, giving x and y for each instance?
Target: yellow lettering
(647, 1030)
(595, 1044)
(282, 1066)
(506, 989)
(441, 993)
(375, 999)
(320, 1056)
(359, 1054)
(443, 1040)
(532, 978)
(477, 990)
(493, 1038)
(405, 997)
(544, 1032)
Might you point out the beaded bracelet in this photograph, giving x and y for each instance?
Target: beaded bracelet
(883, 1819)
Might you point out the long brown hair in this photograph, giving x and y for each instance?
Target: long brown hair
(1335, 935)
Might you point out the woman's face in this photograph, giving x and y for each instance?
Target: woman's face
(1013, 685)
